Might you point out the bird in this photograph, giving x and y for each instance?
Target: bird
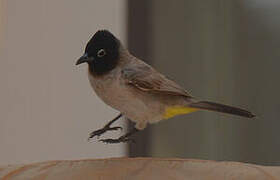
(134, 88)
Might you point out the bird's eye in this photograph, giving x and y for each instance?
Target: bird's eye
(101, 53)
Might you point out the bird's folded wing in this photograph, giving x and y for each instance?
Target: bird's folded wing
(145, 78)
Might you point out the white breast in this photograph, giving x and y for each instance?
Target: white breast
(119, 96)
(115, 94)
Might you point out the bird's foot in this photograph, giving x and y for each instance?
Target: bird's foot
(99, 132)
(122, 139)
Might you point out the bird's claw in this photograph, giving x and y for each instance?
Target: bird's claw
(99, 132)
(119, 140)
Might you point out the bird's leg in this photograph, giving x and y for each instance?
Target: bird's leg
(107, 127)
(124, 138)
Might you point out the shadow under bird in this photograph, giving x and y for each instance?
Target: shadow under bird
(137, 90)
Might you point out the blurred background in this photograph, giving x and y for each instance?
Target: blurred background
(224, 51)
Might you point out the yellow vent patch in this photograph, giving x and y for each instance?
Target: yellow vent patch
(177, 110)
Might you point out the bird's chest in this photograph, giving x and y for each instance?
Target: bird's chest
(111, 90)
(137, 107)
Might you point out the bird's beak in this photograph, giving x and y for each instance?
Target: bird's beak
(84, 59)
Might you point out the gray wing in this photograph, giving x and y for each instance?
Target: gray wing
(145, 78)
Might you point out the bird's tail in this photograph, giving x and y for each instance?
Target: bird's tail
(211, 106)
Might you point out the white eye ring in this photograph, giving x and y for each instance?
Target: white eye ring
(101, 53)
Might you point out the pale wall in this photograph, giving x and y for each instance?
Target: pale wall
(47, 107)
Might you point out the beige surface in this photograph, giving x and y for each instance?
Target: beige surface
(45, 100)
(139, 169)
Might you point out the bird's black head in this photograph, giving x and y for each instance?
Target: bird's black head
(101, 53)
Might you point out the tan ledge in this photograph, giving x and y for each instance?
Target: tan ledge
(138, 169)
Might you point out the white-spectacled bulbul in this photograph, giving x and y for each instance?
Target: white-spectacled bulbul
(137, 90)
